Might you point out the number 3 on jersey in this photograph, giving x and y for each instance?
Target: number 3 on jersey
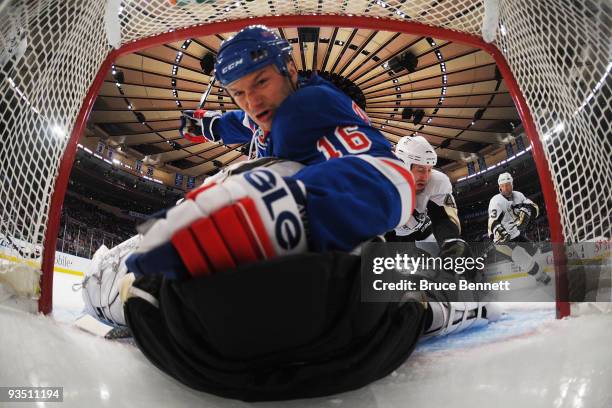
(351, 139)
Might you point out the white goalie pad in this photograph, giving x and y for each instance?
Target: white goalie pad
(454, 317)
(100, 284)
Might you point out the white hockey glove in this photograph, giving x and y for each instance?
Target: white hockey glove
(417, 223)
(197, 126)
(248, 217)
(524, 218)
(500, 234)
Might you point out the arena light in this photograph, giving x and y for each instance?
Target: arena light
(21, 95)
(58, 131)
(559, 127)
(595, 89)
(381, 3)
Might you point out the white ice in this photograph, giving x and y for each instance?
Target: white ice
(527, 359)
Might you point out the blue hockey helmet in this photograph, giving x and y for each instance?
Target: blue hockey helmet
(253, 48)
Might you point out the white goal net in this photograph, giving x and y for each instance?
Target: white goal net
(54, 54)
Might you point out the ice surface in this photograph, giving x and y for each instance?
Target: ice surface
(526, 359)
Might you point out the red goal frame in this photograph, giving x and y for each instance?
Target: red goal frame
(373, 23)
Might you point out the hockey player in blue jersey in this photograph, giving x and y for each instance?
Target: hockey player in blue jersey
(309, 123)
(315, 98)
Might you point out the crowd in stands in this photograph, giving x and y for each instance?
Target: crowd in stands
(103, 205)
(115, 187)
(85, 226)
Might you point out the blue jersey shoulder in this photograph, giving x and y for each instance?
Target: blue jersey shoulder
(319, 122)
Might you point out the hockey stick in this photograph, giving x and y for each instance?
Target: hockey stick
(185, 119)
(207, 92)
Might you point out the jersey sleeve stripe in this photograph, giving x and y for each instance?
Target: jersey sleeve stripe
(401, 178)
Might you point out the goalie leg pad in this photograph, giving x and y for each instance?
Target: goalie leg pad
(455, 317)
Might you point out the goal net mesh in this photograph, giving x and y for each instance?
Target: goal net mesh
(51, 50)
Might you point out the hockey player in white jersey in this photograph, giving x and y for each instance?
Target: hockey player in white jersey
(435, 215)
(435, 220)
(510, 214)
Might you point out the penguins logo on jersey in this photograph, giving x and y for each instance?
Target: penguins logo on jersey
(449, 201)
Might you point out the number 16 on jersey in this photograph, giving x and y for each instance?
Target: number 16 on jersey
(351, 139)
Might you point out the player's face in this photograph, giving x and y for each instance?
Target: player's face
(505, 189)
(421, 174)
(260, 93)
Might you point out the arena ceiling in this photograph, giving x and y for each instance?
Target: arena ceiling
(450, 93)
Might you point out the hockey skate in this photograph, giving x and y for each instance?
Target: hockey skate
(539, 275)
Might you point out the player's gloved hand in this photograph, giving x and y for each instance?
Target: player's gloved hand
(245, 218)
(500, 234)
(197, 125)
(418, 222)
(524, 218)
(455, 248)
